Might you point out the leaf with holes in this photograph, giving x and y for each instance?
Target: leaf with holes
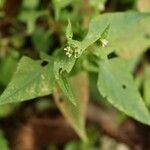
(116, 84)
(128, 35)
(62, 63)
(31, 79)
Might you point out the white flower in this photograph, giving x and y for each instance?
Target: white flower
(72, 51)
(104, 42)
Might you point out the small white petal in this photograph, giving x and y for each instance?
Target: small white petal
(104, 42)
(69, 49)
(69, 55)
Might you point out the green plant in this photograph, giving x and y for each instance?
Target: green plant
(78, 57)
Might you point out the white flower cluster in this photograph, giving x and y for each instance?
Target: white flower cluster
(72, 51)
(104, 42)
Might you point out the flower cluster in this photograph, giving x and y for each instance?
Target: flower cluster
(72, 51)
(104, 42)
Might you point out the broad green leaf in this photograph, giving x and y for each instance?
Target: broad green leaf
(128, 35)
(116, 84)
(62, 63)
(3, 142)
(75, 115)
(146, 85)
(31, 79)
(66, 88)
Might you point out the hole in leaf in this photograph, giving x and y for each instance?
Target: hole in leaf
(112, 55)
(60, 70)
(44, 63)
(124, 86)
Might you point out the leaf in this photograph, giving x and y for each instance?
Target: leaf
(30, 17)
(62, 66)
(30, 4)
(2, 2)
(128, 35)
(3, 142)
(31, 79)
(44, 38)
(7, 67)
(7, 110)
(75, 115)
(69, 32)
(65, 86)
(116, 84)
(146, 85)
(59, 5)
(62, 63)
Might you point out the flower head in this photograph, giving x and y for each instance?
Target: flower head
(75, 51)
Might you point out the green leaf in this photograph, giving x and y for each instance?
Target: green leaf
(30, 17)
(2, 2)
(3, 142)
(75, 114)
(69, 32)
(127, 36)
(146, 85)
(65, 86)
(116, 84)
(62, 66)
(7, 110)
(59, 5)
(62, 63)
(44, 38)
(31, 79)
(7, 67)
(30, 4)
